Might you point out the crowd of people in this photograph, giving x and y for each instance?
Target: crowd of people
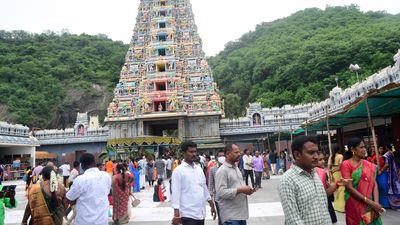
(311, 190)
(351, 184)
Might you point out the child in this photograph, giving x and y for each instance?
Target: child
(329, 188)
(159, 190)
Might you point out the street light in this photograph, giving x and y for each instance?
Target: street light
(355, 68)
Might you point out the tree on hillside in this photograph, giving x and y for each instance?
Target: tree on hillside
(44, 77)
(292, 60)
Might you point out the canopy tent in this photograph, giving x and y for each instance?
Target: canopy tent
(382, 103)
(298, 131)
(284, 136)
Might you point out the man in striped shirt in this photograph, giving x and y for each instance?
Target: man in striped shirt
(211, 180)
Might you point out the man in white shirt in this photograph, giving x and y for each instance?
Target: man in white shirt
(90, 193)
(169, 167)
(248, 167)
(65, 172)
(189, 190)
(142, 172)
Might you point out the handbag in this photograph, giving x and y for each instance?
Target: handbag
(135, 202)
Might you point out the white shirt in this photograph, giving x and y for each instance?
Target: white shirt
(165, 163)
(169, 164)
(65, 170)
(91, 191)
(189, 191)
(247, 159)
(73, 175)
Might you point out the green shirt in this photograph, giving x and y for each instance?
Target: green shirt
(5, 202)
(303, 198)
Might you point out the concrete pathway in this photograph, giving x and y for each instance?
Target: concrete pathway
(264, 206)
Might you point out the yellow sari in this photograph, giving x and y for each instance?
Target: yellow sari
(339, 202)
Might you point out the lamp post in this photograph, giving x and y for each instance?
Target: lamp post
(355, 68)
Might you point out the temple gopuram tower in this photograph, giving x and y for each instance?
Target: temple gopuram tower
(166, 93)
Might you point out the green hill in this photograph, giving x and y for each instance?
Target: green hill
(295, 59)
(46, 78)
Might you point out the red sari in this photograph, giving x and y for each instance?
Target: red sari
(121, 198)
(363, 176)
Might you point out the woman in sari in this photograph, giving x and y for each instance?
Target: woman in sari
(334, 163)
(46, 200)
(120, 195)
(393, 162)
(361, 195)
(134, 169)
(382, 178)
(150, 170)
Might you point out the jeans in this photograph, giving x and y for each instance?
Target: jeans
(248, 173)
(258, 178)
(235, 222)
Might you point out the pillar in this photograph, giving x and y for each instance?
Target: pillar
(33, 156)
(140, 131)
(181, 129)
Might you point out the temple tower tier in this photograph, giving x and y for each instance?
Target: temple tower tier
(166, 87)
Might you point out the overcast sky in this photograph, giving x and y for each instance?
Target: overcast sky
(218, 21)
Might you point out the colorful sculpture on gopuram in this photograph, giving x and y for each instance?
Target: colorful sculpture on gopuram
(166, 87)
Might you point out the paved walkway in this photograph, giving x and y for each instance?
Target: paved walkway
(264, 205)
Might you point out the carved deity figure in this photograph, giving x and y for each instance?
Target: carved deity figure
(133, 103)
(191, 98)
(171, 50)
(172, 103)
(81, 130)
(125, 69)
(195, 86)
(160, 107)
(145, 104)
(119, 88)
(208, 96)
(151, 67)
(171, 66)
(256, 119)
(124, 109)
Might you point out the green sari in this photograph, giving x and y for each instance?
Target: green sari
(363, 176)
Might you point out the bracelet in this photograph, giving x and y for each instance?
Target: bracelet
(336, 184)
